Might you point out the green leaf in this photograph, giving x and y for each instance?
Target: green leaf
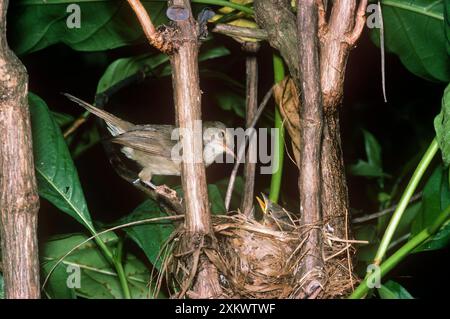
(373, 149)
(231, 101)
(55, 171)
(442, 127)
(393, 290)
(414, 30)
(148, 64)
(440, 240)
(126, 67)
(431, 202)
(104, 24)
(447, 23)
(436, 198)
(149, 237)
(373, 166)
(362, 168)
(97, 278)
(216, 199)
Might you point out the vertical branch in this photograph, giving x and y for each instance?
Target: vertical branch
(187, 97)
(251, 65)
(309, 182)
(19, 201)
(343, 31)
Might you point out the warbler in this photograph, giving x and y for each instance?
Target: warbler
(150, 145)
(275, 216)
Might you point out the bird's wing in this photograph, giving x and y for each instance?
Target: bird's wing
(154, 140)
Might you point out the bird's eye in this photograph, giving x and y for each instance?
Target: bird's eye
(221, 134)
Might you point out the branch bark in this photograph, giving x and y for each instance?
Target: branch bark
(337, 37)
(19, 201)
(309, 182)
(276, 17)
(251, 65)
(187, 97)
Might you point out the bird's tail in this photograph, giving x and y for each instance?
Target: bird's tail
(115, 125)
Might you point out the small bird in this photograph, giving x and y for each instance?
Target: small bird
(275, 216)
(151, 145)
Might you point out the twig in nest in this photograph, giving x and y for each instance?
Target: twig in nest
(241, 150)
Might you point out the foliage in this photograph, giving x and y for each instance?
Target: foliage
(97, 278)
(442, 127)
(393, 290)
(414, 30)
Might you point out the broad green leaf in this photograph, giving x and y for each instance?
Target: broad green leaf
(55, 171)
(436, 199)
(373, 149)
(104, 24)
(97, 278)
(393, 290)
(447, 23)
(442, 127)
(149, 237)
(373, 166)
(362, 168)
(440, 240)
(414, 30)
(231, 101)
(149, 64)
(126, 67)
(216, 199)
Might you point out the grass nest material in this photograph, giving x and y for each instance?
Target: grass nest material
(253, 260)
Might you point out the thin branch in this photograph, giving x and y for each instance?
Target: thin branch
(243, 32)
(241, 150)
(383, 212)
(251, 65)
(311, 125)
(360, 21)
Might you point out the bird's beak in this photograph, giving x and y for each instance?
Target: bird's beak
(229, 151)
(262, 204)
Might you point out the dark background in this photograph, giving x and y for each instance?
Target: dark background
(403, 126)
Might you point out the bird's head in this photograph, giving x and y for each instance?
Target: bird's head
(216, 141)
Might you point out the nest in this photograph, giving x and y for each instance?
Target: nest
(253, 260)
